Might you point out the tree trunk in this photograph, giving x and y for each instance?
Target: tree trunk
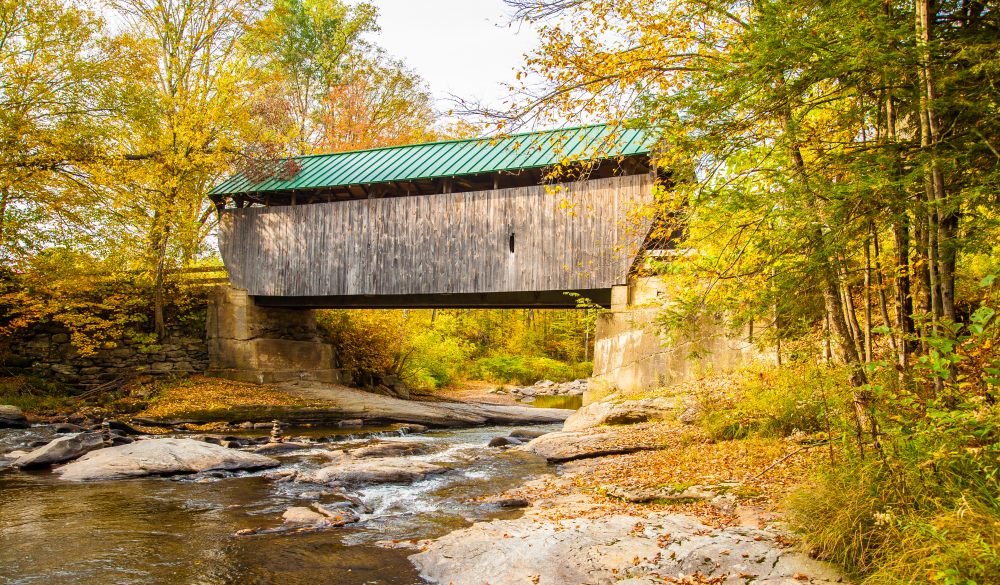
(883, 302)
(943, 220)
(4, 197)
(868, 302)
(159, 323)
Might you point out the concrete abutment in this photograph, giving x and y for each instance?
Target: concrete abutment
(632, 353)
(250, 343)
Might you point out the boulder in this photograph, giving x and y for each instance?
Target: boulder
(11, 417)
(527, 434)
(621, 413)
(375, 470)
(388, 449)
(60, 450)
(563, 446)
(160, 457)
(504, 442)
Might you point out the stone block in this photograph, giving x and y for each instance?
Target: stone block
(234, 315)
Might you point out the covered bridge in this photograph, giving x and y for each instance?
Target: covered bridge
(487, 222)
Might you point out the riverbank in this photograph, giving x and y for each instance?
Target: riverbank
(654, 501)
(633, 492)
(204, 403)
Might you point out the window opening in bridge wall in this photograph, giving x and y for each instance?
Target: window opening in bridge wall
(511, 242)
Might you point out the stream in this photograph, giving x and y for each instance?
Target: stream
(180, 530)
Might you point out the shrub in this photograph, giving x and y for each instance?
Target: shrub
(775, 402)
(32, 394)
(924, 506)
(435, 361)
(517, 369)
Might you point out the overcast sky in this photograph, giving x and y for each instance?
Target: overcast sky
(461, 47)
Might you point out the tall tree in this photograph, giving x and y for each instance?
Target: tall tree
(378, 102)
(64, 84)
(202, 99)
(809, 123)
(308, 46)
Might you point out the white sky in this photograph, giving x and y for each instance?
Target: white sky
(465, 48)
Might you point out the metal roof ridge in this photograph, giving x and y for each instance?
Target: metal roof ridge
(449, 140)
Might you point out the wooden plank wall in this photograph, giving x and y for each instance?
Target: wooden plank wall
(582, 237)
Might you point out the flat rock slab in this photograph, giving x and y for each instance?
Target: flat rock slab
(375, 470)
(61, 449)
(562, 446)
(160, 457)
(352, 403)
(622, 413)
(610, 549)
(388, 449)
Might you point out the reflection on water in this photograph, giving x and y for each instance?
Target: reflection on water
(573, 402)
(180, 530)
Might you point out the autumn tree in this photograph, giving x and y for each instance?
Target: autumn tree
(64, 85)
(308, 48)
(813, 129)
(203, 95)
(378, 102)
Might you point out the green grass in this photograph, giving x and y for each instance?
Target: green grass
(32, 394)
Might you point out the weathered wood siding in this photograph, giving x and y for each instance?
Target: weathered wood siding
(583, 237)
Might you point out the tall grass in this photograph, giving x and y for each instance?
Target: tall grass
(775, 402)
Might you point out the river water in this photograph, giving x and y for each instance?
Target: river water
(181, 530)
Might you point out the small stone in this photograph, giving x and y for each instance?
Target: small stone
(512, 503)
(67, 428)
(302, 515)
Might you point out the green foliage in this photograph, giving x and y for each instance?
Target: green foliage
(436, 360)
(525, 370)
(775, 402)
(925, 507)
(32, 394)
(432, 349)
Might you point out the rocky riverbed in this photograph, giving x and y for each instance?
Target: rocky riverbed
(551, 504)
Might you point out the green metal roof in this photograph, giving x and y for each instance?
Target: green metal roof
(451, 158)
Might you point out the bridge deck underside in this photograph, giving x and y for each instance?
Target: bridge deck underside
(503, 300)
